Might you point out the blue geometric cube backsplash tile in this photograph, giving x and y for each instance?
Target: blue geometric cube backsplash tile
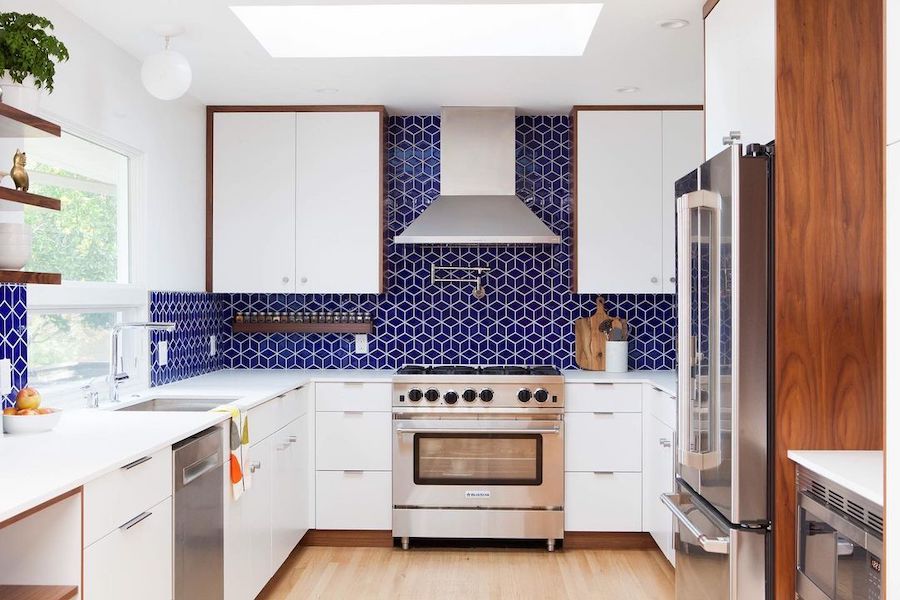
(196, 317)
(527, 316)
(14, 337)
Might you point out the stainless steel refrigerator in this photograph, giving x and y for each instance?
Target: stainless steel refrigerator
(723, 501)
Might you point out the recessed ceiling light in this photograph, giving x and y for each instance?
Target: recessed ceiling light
(412, 30)
(673, 23)
(628, 89)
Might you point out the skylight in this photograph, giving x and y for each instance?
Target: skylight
(420, 30)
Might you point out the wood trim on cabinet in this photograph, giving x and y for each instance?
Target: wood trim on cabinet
(829, 242)
(352, 538)
(708, 7)
(211, 110)
(39, 507)
(608, 540)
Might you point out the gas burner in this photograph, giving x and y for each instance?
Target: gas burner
(452, 370)
(412, 370)
(544, 370)
(504, 370)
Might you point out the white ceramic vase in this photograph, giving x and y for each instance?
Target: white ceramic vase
(617, 357)
(24, 96)
(15, 245)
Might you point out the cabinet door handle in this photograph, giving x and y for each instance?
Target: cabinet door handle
(303, 280)
(604, 414)
(135, 463)
(285, 279)
(671, 280)
(665, 443)
(292, 439)
(654, 280)
(255, 466)
(128, 525)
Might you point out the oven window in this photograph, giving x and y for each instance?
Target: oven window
(485, 459)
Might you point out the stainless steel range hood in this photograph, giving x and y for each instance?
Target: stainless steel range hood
(478, 202)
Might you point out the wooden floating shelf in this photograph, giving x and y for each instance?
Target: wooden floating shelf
(28, 198)
(302, 327)
(29, 277)
(38, 592)
(15, 123)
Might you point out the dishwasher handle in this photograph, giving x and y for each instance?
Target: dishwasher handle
(199, 469)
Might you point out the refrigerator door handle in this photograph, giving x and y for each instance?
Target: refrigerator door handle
(713, 545)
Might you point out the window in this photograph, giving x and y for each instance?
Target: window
(91, 242)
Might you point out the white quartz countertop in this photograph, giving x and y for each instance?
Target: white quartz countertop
(89, 443)
(860, 471)
(84, 445)
(667, 381)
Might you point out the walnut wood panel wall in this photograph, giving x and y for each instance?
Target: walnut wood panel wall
(829, 390)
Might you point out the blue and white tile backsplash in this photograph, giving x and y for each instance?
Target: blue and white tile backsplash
(526, 317)
(13, 337)
(196, 316)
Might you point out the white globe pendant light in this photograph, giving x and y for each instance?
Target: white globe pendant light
(167, 74)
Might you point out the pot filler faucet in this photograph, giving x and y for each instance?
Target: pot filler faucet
(117, 372)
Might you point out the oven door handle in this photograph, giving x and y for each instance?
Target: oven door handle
(402, 430)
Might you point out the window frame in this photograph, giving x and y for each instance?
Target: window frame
(130, 299)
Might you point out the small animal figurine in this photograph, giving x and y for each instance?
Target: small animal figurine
(19, 174)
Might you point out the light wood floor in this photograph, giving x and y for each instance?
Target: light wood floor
(434, 574)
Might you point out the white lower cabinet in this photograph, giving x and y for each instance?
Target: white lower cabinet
(658, 479)
(257, 514)
(603, 441)
(290, 492)
(134, 560)
(603, 501)
(353, 500)
(353, 440)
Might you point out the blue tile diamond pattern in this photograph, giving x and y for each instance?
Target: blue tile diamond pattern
(196, 318)
(14, 337)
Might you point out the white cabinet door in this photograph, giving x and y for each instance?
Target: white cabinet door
(339, 189)
(682, 151)
(740, 72)
(603, 502)
(257, 515)
(290, 510)
(603, 442)
(253, 202)
(619, 175)
(892, 68)
(133, 562)
(658, 479)
(353, 440)
(353, 500)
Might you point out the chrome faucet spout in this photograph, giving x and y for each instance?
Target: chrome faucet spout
(117, 372)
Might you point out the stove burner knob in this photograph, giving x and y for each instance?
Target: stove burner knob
(451, 397)
(415, 395)
(470, 395)
(524, 395)
(486, 395)
(432, 395)
(541, 395)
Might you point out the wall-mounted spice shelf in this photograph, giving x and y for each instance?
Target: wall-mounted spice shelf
(30, 277)
(15, 123)
(302, 327)
(38, 592)
(29, 198)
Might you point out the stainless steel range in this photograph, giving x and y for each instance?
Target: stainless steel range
(478, 453)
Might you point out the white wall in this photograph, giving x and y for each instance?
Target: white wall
(99, 89)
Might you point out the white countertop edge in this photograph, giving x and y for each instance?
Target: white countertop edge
(860, 471)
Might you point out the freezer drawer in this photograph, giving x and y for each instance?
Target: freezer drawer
(715, 561)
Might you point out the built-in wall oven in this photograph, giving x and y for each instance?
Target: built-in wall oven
(839, 542)
(478, 458)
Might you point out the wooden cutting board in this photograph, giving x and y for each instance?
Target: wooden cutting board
(590, 342)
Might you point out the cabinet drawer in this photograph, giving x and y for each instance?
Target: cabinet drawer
(133, 563)
(371, 397)
(353, 500)
(265, 419)
(114, 498)
(603, 501)
(661, 405)
(610, 397)
(603, 442)
(353, 440)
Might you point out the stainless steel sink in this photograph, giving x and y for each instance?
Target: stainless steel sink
(173, 404)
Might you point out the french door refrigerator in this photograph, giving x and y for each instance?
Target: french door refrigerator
(723, 483)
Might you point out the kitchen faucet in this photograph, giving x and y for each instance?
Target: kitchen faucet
(117, 372)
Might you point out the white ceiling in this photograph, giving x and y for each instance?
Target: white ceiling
(627, 48)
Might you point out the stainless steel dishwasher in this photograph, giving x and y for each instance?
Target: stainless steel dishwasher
(198, 516)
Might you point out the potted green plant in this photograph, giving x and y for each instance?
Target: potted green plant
(28, 58)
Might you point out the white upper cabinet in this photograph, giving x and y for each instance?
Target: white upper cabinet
(297, 201)
(339, 235)
(740, 72)
(253, 202)
(682, 151)
(627, 163)
(892, 67)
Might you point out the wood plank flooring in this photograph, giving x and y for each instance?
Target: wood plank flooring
(439, 573)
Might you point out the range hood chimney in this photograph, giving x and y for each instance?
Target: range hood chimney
(478, 202)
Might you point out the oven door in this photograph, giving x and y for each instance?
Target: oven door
(836, 558)
(478, 463)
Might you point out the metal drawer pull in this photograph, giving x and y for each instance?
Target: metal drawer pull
(665, 443)
(135, 521)
(604, 414)
(604, 383)
(292, 439)
(353, 471)
(353, 412)
(139, 461)
(474, 431)
(255, 466)
(604, 472)
(716, 545)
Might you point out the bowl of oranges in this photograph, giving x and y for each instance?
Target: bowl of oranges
(27, 416)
